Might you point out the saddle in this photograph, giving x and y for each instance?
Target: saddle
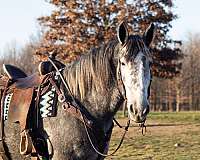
(24, 86)
(17, 84)
(21, 97)
(14, 73)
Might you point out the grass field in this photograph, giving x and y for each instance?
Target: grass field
(169, 136)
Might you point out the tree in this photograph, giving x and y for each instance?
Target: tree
(181, 92)
(76, 25)
(191, 75)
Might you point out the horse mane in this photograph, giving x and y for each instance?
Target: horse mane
(92, 72)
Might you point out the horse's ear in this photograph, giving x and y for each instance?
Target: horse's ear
(148, 35)
(122, 32)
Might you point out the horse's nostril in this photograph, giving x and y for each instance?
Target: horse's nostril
(137, 118)
(131, 108)
(135, 111)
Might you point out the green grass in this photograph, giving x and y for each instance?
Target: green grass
(164, 130)
(159, 148)
(185, 117)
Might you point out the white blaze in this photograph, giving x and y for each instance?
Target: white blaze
(136, 79)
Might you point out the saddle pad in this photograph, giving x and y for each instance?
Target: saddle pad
(48, 100)
(18, 101)
(48, 103)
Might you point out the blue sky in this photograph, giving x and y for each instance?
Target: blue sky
(18, 19)
(188, 18)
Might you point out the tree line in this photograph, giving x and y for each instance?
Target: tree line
(20, 57)
(183, 91)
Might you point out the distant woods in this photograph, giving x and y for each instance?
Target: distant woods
(181, 92)
(75, 26)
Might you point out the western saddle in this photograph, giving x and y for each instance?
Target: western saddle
(17, 84)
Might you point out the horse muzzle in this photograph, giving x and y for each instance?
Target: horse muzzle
(137, 115)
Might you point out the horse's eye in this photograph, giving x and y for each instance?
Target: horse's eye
(122, 63)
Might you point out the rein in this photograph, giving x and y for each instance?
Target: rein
(82, 116)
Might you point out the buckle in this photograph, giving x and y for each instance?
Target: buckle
(61, 98)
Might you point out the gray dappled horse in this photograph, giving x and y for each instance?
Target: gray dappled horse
(100, 82)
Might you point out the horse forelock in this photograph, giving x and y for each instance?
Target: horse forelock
(133, 46)
(92, 72)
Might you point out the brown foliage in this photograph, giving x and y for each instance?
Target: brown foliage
(76, 25)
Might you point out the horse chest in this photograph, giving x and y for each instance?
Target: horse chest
(68, 137)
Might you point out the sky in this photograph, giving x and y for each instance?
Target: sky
(188, 21)
(18, 19)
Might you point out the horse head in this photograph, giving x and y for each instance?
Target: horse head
(134, 63)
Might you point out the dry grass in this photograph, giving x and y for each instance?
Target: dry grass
(170, 136)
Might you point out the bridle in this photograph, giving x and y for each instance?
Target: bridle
(62, 99)
(122, 90)
(120, 83)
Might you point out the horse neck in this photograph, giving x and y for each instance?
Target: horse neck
(94, 85)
